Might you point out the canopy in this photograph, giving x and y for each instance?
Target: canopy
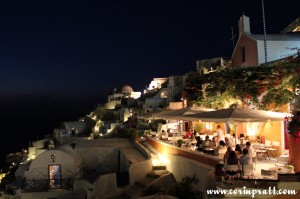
(237, 115)
(179, 113)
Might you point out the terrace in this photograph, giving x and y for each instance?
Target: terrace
(266, 169)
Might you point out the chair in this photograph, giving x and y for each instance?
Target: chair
(268, 144)
(267, 174)
(274, 150)
(281, 164)
(248, 171)
(232, 171)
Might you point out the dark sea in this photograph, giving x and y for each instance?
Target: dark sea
(29, 119)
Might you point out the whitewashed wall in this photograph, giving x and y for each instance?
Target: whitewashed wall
(276, 49)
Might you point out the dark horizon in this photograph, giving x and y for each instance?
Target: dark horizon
(30, 118)
(83, 48)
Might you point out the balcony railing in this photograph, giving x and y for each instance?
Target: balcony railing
(41, 185)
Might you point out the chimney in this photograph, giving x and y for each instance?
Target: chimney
(244, 25)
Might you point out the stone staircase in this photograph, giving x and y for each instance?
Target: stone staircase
(158, 172)
(141, 185)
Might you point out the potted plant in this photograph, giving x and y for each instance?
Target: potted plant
(179, 142)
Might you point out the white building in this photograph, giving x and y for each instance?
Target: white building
(162, 97)
(156, 83)
(250, 49)
(211, 65)
(85, 169)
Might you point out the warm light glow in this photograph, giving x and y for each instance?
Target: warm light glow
(159, 160)
(252, 128)
(163, 158)
(25, 161)
(251, 133)
(297, 29)
(207, 126)
(2, 175)
(229, 102)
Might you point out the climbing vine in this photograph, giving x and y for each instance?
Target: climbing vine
(255, 87)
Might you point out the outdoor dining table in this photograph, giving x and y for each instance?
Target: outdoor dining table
(262, 153)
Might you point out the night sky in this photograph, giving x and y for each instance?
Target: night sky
(72, 47)
(58, 58)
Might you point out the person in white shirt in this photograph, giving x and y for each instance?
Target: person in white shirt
(220, 134)
(227, 142)
(233, 140)
(251, 151)
(245, 158)
(164, 135)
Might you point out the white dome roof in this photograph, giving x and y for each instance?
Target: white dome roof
(126, 89)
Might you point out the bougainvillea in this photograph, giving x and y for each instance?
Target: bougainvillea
(274, 83)
(294, 126)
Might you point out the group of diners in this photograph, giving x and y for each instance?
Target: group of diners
(232, 154)
(246, 155)
(216, 144)
(239, 156)
(212, 146)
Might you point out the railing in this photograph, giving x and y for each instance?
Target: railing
(41, 185)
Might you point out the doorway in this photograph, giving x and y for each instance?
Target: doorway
(54, 176)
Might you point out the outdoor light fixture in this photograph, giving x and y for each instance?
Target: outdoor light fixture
(53, 157)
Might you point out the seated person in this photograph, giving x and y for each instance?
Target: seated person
(232, 160)
(206, 142)
(214, 142)
(169, 133)
(245, 158)
(227, 142)
(164, 135)
(229, 149)
(199, 143)
(189, 133)
(221, 145)
(238, 150)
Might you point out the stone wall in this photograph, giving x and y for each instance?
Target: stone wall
(165, 148)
